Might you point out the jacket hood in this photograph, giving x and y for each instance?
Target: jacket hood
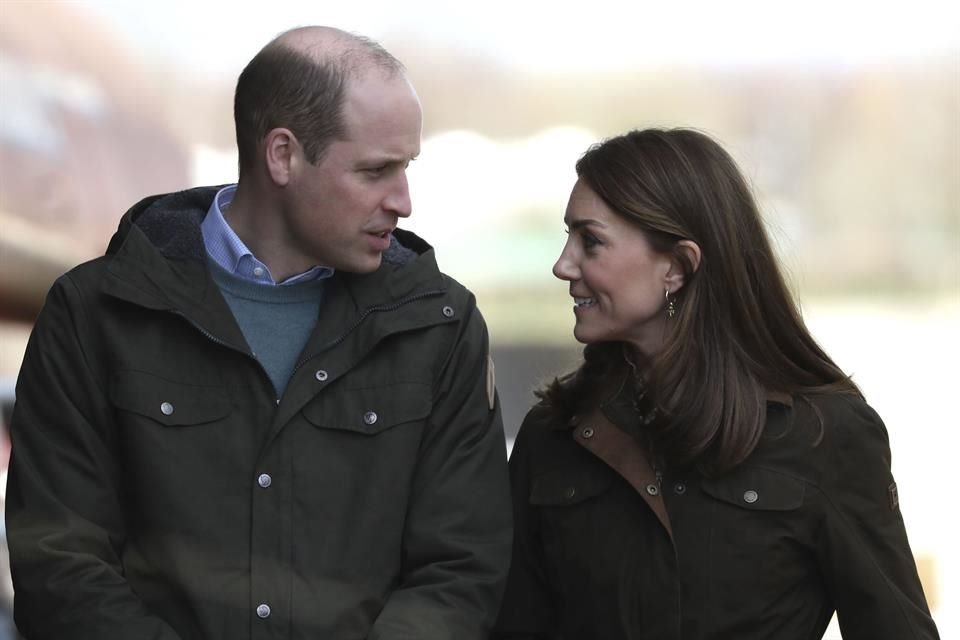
(158, 259)
(171, 222)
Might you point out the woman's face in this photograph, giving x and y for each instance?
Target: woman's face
(616, 279)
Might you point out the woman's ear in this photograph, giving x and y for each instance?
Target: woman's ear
(685, 253)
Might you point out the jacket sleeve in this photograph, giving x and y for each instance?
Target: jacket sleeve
(456, 547)
(527, 612)
(63, 512)
(863, 549)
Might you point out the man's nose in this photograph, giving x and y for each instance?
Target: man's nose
(398, 199)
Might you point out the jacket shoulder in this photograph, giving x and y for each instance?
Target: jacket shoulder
(456, 289)
(539, 428)
(848, 435)
(84, 277)
(846, 417)
(819, 436)
(826, 418)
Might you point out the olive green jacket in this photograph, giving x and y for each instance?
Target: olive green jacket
(159, 490)
(607, 548)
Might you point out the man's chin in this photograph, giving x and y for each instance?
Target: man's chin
(367, 264)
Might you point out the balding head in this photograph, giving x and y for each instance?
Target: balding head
(355, 54)
(298, 81)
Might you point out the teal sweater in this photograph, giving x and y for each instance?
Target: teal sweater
(275, 320)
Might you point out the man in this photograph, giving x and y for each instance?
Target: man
(264, 413)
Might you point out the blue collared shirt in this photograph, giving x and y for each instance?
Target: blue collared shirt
(226, 248)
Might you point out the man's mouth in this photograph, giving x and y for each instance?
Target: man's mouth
(582, 302)
(380, 239)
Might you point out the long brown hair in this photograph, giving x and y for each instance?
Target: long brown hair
(737, 335)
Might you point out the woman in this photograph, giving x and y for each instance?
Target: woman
(708, 472)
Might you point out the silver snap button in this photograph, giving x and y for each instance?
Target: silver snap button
(569, 492)
(653, 489)
(258, 271)
(587, 432)
(263, 611)
(264, 480)
(370, 417)
(750, 496)
(321, 375)
(448, 311)
(679, 488)
(166, 409)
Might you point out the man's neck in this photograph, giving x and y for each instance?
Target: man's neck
(255, 217)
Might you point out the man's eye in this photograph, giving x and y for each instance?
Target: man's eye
(375, 172)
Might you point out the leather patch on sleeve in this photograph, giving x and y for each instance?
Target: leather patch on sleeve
(894, 496)
(491, 384)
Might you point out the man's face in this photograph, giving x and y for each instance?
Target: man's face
(340, 212)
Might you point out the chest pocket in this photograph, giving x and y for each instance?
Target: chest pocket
(575, 510)
(757, 489)
(172, 404)
(370, 410)
(564, 488)
(754, 515)
(754, 535)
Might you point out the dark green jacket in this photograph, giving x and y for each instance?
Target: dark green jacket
(766, 552)
(159, 490)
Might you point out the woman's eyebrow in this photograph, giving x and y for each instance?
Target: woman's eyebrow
(585, 222)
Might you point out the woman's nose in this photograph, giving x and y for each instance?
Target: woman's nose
(564, 268)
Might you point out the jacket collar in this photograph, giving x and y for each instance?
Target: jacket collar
(159, 262)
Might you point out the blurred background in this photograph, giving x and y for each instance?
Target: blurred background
(844, 115)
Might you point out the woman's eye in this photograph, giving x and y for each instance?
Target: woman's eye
(589, 241)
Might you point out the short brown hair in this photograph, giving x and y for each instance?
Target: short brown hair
(285, 87)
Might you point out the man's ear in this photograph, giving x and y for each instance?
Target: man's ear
(684, 252)
(280, 147)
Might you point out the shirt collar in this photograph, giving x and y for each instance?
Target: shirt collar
(226, 248)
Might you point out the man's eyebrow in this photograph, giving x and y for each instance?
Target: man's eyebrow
(389, 160)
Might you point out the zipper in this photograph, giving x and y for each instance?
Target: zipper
(375, 309)
(209, 336)
(384, 307)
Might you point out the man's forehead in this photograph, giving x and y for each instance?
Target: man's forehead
(378, 145)
(380, 104)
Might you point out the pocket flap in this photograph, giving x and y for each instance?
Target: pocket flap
(757, 489)
(370, 410)
(167, 402)
(561, 487)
